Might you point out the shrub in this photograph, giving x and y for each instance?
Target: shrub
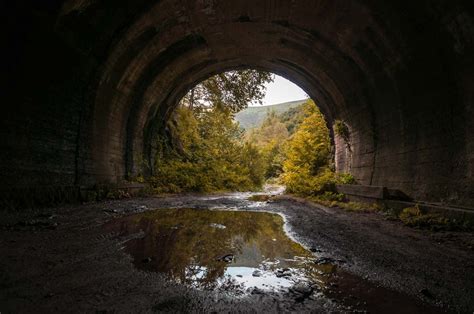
(306, 168)
(345, 178)
(415, 217)
(208, 155)
(341, 129)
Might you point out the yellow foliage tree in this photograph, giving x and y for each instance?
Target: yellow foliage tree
(306, 168)
(208, 155)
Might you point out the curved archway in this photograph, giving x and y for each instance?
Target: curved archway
(173, 64)
(400, 74)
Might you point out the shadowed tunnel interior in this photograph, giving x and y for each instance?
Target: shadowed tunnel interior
(89, 83)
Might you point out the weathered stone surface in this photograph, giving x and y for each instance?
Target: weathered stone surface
(88, 83)
(368, 191)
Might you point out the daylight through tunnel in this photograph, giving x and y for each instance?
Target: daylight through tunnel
(91, 80)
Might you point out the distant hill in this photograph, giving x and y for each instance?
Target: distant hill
(253, 116)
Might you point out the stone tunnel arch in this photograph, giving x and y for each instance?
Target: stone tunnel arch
(399, 73)
(174, 64)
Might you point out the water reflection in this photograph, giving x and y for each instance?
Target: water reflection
(209, 249)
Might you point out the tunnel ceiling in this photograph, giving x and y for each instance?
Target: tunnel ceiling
(93, 79)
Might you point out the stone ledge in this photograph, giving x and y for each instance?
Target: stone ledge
(366, 191)
(371, 192)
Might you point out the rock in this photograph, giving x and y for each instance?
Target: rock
(217, 226)
(302, 291)
(257, 273)
(303, 288)
(285, 272)
(228, 258)
(147, 260)
(257, 291)
(240, 276)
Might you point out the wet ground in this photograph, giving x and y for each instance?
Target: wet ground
(233, 252)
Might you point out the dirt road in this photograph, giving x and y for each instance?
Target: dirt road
(62, 260)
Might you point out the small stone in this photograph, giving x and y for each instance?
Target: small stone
(217, 226)
(302, 288)
(302, 291)
(285, 272)
(240, 276)
(228, 258)
(146, 260)
(257, 273)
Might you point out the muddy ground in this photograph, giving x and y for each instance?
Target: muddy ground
(62, 260)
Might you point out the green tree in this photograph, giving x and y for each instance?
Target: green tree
(203, 149)
(292, 118)
(269, 138)
(211, 155)
(308, 152)
(233, 90)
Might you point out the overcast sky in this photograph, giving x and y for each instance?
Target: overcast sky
(282, 90)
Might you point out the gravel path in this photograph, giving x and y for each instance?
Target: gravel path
(62, 260)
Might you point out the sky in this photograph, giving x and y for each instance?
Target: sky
(282, 90)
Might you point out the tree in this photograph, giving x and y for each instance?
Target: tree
(233, 90)
(269, 138)
(211, 155)
(202, 148)
(308, 151)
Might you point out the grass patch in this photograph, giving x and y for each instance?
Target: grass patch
(331, 199)
(416, 218)
(413, 216)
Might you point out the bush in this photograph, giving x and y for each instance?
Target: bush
(341, 129)
(345, 178)
(415, 217)
(208, 154)
(306, 168)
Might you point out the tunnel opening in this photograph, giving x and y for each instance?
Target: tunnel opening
(96, 81)
(88, 84)
(213, 141)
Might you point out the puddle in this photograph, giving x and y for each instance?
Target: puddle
(245, 252)
(209, 249)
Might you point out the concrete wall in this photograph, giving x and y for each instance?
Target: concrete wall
(88, 82)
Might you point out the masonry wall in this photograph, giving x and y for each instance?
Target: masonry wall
(84, 81)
